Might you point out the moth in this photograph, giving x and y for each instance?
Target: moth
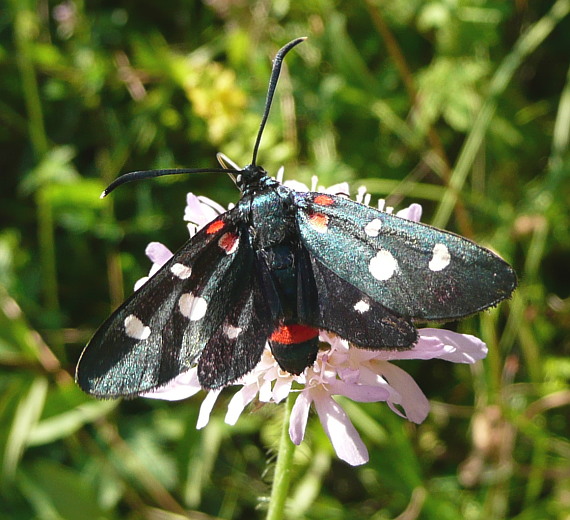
(274, 270)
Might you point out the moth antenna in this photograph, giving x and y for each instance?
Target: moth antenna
(277, 62)
(149, 174)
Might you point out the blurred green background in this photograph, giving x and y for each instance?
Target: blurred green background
(460, 105)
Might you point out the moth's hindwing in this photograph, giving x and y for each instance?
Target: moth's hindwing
(414, 270)
(353, 315)
(165, 325)
(328, 302)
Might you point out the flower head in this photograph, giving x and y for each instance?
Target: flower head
(358, 374)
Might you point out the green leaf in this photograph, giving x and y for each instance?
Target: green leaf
(56, 167)
(66, 423)
(59, 492)
(25, 418)
(18, 342)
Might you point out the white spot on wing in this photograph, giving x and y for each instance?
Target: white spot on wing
(232, 332)
(440, 259)
(362, 306)
(181, 271)
(135, 328)
(193, 307)
(373, 227)
(383, 265)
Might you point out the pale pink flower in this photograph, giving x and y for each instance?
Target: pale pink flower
(358, 374)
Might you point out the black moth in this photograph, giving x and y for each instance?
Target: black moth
(275, 269)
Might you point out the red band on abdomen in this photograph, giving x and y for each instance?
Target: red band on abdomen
(291, 334)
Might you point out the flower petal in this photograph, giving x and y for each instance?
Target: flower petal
(238, 403)
(194, 210)
(343, 435)
(412, 212)
(281, 388)
(299, 417)
(440, 344)
(181, 387)
(201, 210)
(159, 254)
(411, 398)
(457, 348)
(341, 188)
(141, 281)
(296, 185)
(206, 408)
(360, 193)
(211, 204)
(265, 391)
(335, 341)
(358, 392)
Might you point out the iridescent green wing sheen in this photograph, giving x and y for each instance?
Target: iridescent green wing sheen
(350, 313)
(414, 270)
(164, 327)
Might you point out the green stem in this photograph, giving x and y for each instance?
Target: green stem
(25, 32)
(282, 476)
(26, 29)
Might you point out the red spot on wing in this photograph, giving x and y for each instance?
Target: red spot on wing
(323, 200)
(228, 242)
(215, 226)
(291, 334)
(319, 222)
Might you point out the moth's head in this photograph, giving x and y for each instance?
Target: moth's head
(244, 178)
(250, 178)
